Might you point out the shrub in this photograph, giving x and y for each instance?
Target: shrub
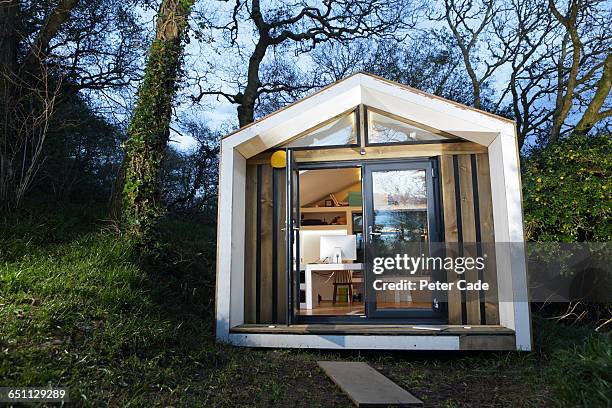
(566, 190)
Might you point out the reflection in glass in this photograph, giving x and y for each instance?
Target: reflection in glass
(400, 227)
(340, 132)
(383, 129)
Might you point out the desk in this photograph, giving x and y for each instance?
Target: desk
(308, 286)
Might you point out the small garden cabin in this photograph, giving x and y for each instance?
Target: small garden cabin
(371, 215)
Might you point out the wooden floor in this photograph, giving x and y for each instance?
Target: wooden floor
(328, 308)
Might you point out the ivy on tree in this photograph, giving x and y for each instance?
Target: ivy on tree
(149, 129)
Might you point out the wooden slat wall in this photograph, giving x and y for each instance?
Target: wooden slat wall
(468, 219)
(468, 224)
(265, 238)
(261, 286)
(451, 233)
(487, 237)
(250, 240)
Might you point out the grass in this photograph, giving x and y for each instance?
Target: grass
(77, 310)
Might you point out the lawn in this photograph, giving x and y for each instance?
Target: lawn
(78, 311)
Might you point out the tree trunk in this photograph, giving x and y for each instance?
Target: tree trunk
(47, 32)
(592, 115)
(9, 12)
(474, 80)
(246, 109)
(564, 102)
(149, 129)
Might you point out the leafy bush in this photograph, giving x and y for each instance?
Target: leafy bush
(567, 190)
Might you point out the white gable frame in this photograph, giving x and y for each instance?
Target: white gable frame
(496, 133)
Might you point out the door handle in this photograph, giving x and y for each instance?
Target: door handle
(372, 232)
(293, 228)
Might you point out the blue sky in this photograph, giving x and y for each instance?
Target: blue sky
(224, 68)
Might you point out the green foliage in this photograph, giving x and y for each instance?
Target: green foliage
(82, 154)
(567, 190)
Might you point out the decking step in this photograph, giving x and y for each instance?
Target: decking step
(366, 387)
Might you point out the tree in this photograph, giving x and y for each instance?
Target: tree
(29, 95)
(586, 43)
(471, 23)
(189, 178)
(304, 26)
(556, 61)
(526, 32)
(149, 129)
(51, 52)
(429, 62)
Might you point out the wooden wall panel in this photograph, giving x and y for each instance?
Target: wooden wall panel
(451, 232)
(265, 275)
(265, 238)
(250, 241)
(468, 218)
(468, 233)
(378, 152)
(487, 234)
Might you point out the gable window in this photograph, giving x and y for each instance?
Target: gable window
(384, 128)
(338, 132)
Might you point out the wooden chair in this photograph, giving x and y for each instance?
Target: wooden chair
(343, 278)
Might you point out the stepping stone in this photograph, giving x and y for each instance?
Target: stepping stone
(366, 387)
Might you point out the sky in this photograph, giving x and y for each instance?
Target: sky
(223, 68)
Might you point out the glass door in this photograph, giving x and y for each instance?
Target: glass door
(401, 225)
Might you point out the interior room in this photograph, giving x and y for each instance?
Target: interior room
(331, 242)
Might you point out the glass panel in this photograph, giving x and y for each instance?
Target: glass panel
(340, 132)
(400, 228)
(383, 129)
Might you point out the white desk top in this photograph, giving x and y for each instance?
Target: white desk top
(334, 266)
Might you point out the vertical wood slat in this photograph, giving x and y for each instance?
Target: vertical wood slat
(266, 209)
(451, 233)
(468, 223)
(250, 242)
(487, 233)
(281, 263)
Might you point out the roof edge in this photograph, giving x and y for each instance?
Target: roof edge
(374, 76)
